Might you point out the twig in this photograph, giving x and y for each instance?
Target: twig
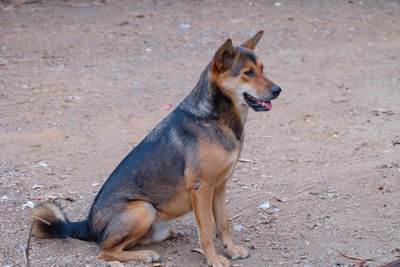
(246, 160)
(235, 216)
(18, 103)
(391, 264)
(198, 250)
(25, 249)
(353, 257)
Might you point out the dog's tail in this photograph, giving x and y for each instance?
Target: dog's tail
(49, 221)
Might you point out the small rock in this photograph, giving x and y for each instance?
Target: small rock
(124, 23)
(185, 26)
(29, 204)
(312, 225)
(43, 164)
(331, 195)
(36, 186)
(314, 192)
(265, 205)
(238, 227)
(60, 67)
(284, 199)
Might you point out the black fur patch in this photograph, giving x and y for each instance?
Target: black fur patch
(241, 61)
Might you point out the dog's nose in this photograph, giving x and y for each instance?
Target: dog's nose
(276, 90)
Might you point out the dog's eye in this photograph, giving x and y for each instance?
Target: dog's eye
(249, 73)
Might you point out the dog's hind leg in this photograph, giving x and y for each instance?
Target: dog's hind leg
(124, 229)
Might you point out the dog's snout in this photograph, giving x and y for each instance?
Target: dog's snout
(275, 90)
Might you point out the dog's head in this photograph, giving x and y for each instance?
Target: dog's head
(238, 72)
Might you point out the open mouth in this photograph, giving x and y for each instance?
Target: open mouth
(256, 104)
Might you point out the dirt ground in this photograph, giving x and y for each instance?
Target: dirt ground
(82, 82)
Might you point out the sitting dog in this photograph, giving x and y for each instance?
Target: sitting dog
(184, 163)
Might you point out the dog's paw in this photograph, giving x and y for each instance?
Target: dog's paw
(219, 261)
(173, 234)
(237, 252)
(150, 256)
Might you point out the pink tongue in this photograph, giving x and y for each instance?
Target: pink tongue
(267, 105)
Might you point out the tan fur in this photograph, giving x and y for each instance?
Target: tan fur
(132, 224)
(45, 214)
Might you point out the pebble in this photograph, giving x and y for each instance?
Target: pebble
(331, 195)
(185, 26)
(238, 227)
(43, 164)
(36, 186)
(284, 199)
(265, 205)
(29, 204)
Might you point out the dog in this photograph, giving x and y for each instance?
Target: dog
(183, 164)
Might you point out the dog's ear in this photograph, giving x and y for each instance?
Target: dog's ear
(223, 58)
(252, 42)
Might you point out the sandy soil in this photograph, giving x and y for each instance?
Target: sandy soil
(82, 82)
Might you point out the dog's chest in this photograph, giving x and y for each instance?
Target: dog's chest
(232, 163)
(228, 168)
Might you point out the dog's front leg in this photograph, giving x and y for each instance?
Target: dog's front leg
(222, 223)
(202, 198)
